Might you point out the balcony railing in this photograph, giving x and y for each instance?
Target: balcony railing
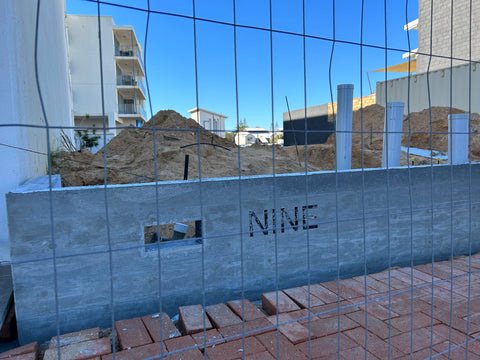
(132, 109)
(130, 80)
(122, 50)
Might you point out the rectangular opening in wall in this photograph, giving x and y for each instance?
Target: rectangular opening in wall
(173, 235)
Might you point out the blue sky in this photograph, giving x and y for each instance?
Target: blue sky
(170, 51)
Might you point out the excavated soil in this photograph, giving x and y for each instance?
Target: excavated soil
(130, 155)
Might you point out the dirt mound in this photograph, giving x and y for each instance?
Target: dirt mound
(130, 156)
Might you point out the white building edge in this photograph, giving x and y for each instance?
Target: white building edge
(123, 74)
(211, 121)
(69, 77)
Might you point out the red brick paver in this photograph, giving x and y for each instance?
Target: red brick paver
(301, 297)
(192, 319)
(132, 333)
(251, 312)
(80, 351)
(235, 349)
(285, 304)
(152, 323)
(139, 353)
(221, 315)
(75, 337)
(31, 348)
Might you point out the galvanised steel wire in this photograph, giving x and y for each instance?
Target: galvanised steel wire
(105, 183)
(338, 219)
(50, 187)
(274, 179)
(200, 183)
(155, 165)
(364, 230)
(240, 192)
(307, 201)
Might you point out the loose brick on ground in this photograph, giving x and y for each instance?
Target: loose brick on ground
(251, 312)
(326, 346)
(192, 319)
(285, 304)
(322, 293)
(80, 351)
(252, 328)
(183, 342)
(348, 290)
(178, 343)
(376, 326)
(356, 353)
(75, 337)
(132, 333)
(421, 340)
(324, 327)
(302, 298)
(139, 353)
(405, 322)
(286, 350)
(329, 310)
(29, 356)
(294, 331)
(375, 345)
(25, 349)
(212, 336)
(304, 315)
(234, 349)
(264, 355)
(221, 315)
(152, 323)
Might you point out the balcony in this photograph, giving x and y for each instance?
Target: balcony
(132, 109)
(127, 51)
(130, 80)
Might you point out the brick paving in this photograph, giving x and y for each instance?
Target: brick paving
(375, 317)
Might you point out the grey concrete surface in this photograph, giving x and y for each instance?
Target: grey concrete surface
(409, 215)
(6, 291)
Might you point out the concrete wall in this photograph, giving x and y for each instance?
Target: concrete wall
(397, 89)
(19, 96)
(82, 245)
(442, 29)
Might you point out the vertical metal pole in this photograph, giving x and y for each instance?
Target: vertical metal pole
(343, 127)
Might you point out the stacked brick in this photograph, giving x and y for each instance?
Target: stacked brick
(392, 314)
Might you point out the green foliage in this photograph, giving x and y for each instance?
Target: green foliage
(277, 137)
(87, 140)
(230, 136)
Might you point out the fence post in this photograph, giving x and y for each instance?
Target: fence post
(458, 138)
(392, 134)
(343, 127)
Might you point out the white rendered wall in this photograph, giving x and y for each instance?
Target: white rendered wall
(19, 96)
(85, 65)
(392, 135)
(398, 89)
(206, 120)
(343, 134)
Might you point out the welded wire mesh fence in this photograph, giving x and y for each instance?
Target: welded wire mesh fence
(354, 238)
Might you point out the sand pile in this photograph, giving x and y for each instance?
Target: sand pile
(130, 156)
(372, 119)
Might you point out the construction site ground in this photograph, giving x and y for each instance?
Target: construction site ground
(130, 156)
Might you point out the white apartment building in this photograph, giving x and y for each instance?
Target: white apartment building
(123, 90)
(209, 120)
